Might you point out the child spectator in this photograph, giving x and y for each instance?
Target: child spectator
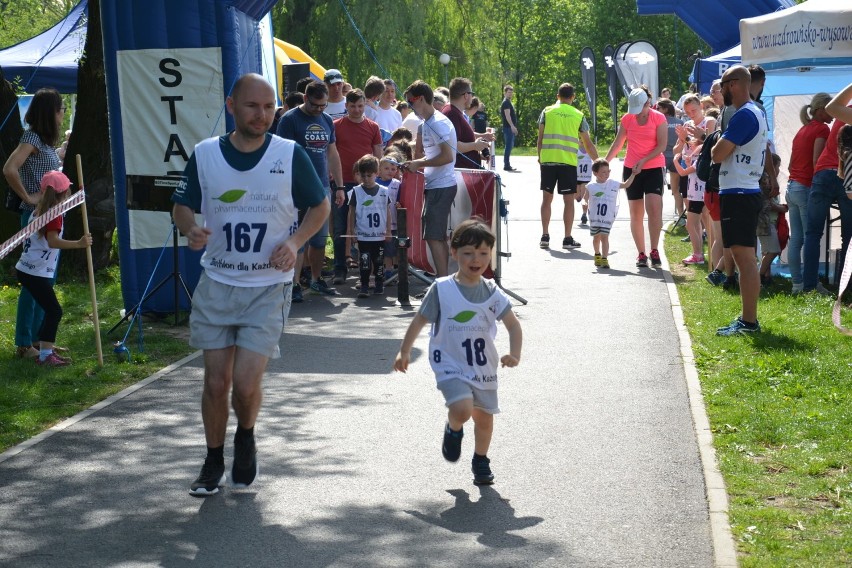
(370, 222)
(37, 265)
(696, 217)
(603, 207)
(388, 178)
(463, 309)
(767, 226)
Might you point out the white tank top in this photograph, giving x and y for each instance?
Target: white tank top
(743, 168)
(461, 345)
(603, 203)
(584, 166)
(38, 259)
(694, 186)
(371, 214)
(249, 213)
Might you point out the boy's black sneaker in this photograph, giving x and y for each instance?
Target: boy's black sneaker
(545, 241)
(641, 261)
(212, 477)
(656, 261)
(584, 219)
(481, 468)
(451, 448)
(244, 470)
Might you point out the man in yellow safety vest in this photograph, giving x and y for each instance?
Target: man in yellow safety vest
(561, 127)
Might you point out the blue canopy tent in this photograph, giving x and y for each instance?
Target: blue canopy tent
(49, 59)
(708, 69)
(719, 23)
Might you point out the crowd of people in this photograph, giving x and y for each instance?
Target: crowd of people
(334, 170)
(733, 233)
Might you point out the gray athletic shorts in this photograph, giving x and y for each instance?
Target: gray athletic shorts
(437, 203)
(455, 390)
(251, 318)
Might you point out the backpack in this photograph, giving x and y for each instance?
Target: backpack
(705, 169)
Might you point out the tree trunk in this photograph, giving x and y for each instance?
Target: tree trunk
(90, 139)
(10, 136)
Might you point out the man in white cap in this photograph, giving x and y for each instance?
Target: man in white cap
(336, 108)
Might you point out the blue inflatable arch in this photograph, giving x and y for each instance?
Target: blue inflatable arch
(169, 67)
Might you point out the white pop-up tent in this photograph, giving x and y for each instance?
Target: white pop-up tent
(805, 50)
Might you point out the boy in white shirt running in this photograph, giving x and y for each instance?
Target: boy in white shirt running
(603, 207)
(463, 309)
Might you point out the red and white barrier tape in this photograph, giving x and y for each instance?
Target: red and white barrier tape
(40, 221)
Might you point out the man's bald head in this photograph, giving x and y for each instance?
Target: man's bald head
(249, 79)
(736, 81)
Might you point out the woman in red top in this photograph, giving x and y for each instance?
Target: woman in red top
(646, 132)
(807, 146)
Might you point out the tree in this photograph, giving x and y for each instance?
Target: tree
(90, 139)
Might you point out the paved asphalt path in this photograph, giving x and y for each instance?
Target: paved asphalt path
(595, 455)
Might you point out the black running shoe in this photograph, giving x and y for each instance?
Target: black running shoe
(481, 471)
(212, 477)
(656, 261)
(569, 243)
(451, 447)
(244, 470)
(545, 241)
(641, 261)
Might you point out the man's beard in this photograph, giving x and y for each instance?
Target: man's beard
(727, 99)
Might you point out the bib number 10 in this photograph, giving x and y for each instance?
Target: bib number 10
(239, 237)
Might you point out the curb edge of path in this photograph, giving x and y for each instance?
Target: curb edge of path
(724, 549)
(68, 422)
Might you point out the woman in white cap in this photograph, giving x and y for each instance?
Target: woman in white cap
(646, 132)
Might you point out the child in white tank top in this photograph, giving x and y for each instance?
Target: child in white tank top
(463, 309)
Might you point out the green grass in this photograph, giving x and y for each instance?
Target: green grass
(781, 412)
(33, 398)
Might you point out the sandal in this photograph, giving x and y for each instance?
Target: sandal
(26, 352)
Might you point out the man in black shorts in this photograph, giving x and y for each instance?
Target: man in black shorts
(561, 127)
(741, 151)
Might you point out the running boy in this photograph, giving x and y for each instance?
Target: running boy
(463, 309)
(603, 207)
(370, 222)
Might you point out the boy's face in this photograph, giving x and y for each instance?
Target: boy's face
(368, 179)
(387, 170)
(602, 174)
(472, 260)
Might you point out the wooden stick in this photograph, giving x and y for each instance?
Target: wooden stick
(91, 267)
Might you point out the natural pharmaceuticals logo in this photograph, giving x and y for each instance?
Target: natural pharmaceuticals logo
(368, 202)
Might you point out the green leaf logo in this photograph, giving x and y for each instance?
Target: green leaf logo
(368, 203)
(231, 196)
(463, 317)
(599, 194)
